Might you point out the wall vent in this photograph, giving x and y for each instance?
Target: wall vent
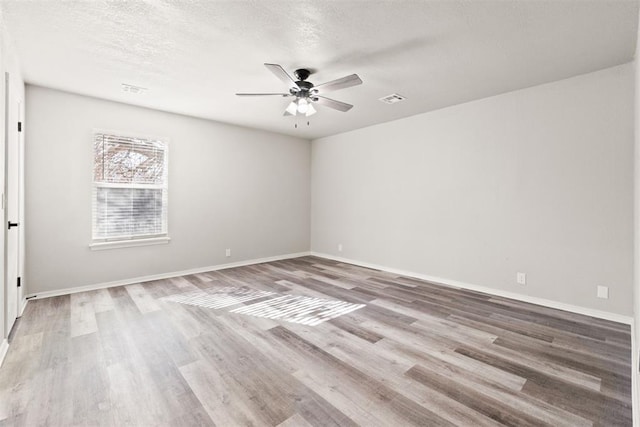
(133, 89)
(392, 99)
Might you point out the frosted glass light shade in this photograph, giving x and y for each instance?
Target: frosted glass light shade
(303, 105)
(292, 108)
(310, 110)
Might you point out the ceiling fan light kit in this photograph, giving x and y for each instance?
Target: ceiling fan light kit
(300, 106)
(306, 93)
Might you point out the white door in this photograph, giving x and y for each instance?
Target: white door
(12, 198)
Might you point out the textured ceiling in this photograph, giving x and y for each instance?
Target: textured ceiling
(194, 55)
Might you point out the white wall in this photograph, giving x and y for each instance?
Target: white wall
(538, 180)
(229, 187)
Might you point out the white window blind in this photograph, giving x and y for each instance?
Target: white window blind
(129, 187)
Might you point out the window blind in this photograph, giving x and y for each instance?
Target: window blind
(129, 187)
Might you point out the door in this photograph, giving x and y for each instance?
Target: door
(20, 206)
(12, 201)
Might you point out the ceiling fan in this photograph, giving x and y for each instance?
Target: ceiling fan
(306, 93)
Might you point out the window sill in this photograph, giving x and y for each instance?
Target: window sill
(129, 243)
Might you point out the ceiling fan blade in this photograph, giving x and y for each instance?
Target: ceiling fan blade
(332, 103)
(282, 75)
(264, 94)
(348, 81)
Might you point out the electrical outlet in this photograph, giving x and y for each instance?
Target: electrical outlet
(521, 278)
(339, 247)
(603, 292)
(228, 252)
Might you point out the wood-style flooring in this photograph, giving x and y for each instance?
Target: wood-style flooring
(416, 354)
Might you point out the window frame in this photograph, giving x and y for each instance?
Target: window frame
(100, 243)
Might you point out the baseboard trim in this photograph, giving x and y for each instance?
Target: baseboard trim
(4, 348)
(67, 291)
(614, 317)
(23, 306)
(443, 281)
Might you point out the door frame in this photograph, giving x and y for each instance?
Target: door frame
(11, 131)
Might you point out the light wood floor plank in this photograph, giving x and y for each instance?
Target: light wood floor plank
(83, 320)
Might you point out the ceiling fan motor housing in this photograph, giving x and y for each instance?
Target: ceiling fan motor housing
(304, 86)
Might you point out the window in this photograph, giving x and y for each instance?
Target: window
(129, 190)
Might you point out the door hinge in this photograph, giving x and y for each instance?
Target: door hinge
(19, 282)
(19, 126)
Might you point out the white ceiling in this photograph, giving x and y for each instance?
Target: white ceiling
(194, 55)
